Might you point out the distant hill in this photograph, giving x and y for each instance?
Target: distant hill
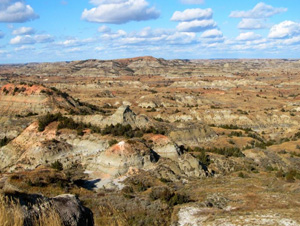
(146, 65)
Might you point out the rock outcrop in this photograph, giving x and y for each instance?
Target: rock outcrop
(192, 135)
(124, 115)
(186, 166)
(119, 158)
(164, 147)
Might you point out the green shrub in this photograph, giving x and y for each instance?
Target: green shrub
(234, 127)
(162, 193)
(47, 119)
(295, 154)
(241, 175)
(270, 168)
(140, 186)
(236, 134)
(69, 123)
(30, 114)
(152, 110)
(297, 135)
(128, 132)
(155, 130)
(4, 141)
(159, 119)
(231, 141)
(289, 177)
(280, 174)
(60, 93)
(178, 199)
(256, 137)
(16, 89)
(57, 165)
(65, 122)
(227, 151)
(127, 189)
(203, 158)
(165, 194)
(112, 142)
(5, 90)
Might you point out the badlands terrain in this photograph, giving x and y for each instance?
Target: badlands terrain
(147, 141)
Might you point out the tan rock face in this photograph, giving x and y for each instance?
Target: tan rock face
(186, 166)
(124, 115)
(121, 157)
(163, 146)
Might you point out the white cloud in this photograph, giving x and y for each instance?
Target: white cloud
(12, 11)
(252, 24)
(214, 33)
(147, 38)
(18, 40)
(114, 35)
(75, 42)
(149, 32)
(104, 29)
(29, 39)
(119, 11)
(100, 48)
(261, 10)
(196, 25)
(70, 42)
(43, 38)
(192, 14)
(174, 38)
(23, 31)
(73, 50)
(192, 1)
(285, 29)
(24, 47)
(181, 38)
(291, 41)
(3, 52)
(99, 2)
(248, 36)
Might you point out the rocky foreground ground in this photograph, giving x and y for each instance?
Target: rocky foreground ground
(147, 141)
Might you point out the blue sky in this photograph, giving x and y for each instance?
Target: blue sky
(63, 30)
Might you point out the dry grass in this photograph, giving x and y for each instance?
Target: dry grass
(50, 218)
(11, 214)
(110, 216)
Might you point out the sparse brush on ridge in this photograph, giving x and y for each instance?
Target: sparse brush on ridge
(64, 122)
(47, 119)
(227, 151)
(115, 130)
